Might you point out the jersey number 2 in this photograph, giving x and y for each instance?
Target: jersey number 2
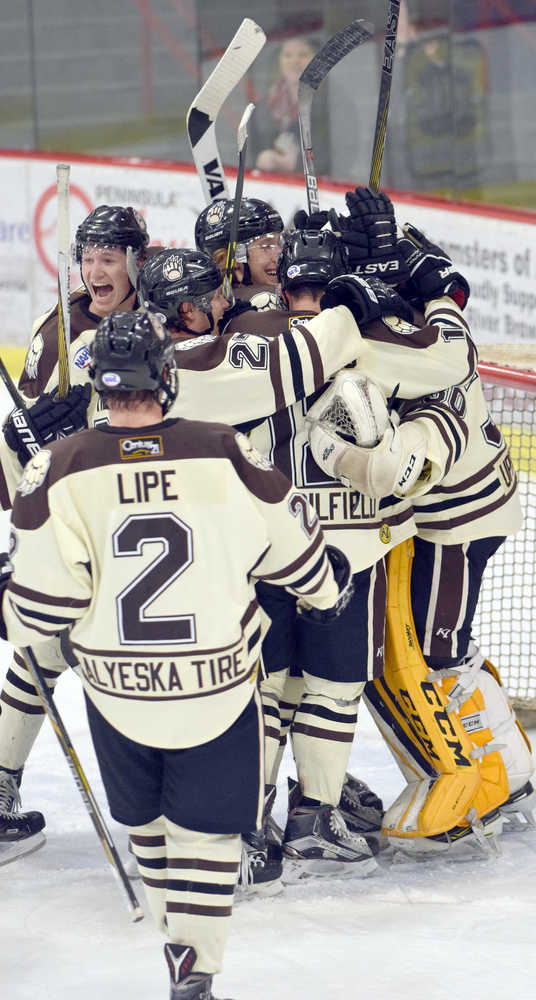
(136, 627)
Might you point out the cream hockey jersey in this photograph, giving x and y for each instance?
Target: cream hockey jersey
(147, 543)
(364, 528)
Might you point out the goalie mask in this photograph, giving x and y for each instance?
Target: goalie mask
(213, 227)
(311, 257)
(176, 276)
(132, 352)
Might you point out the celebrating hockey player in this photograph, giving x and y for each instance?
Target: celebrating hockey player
(258, 243)
(164, 622)
(109, 245)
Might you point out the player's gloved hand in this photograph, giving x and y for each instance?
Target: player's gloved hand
(6, 569)
(369, 232)
(239, 306)
(367, 300)
(343, 577)
(49, 418)
(316, 220)
(431, 272)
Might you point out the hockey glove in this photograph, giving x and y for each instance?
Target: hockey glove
(6, 569)
(343, 577)
(317, 220)
(369, 233)
(239, 306)
(49, 418)
(432, 274)
(367, 300)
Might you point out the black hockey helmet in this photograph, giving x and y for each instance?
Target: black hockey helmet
(213, 226)
(113, 226)
(311, 257)
(174, 276)
(132, 351)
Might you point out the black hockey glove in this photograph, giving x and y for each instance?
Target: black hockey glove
(49, 418)
(343, 577)
(317, 220)
(6, 569)
(370, 235)
(431, 271)
(367, 300)
(239, 306)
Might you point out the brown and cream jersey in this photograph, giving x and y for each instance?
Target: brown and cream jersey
(472, 487)
(42, 355)
(147, 543)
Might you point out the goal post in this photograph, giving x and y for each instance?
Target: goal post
(505, 620)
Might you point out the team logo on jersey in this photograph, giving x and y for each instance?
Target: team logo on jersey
(35, 351)
(215, 213)
(141, 447)
(398, 325)
(82, 357)
(186, 345)
(251, 454)
(173, 268)
(385, 534)
(34, 472)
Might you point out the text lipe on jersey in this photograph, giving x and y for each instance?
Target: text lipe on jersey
(166, 677)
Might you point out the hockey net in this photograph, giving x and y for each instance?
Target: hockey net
(505, 621)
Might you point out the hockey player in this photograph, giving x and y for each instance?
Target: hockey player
(465, 502)
(109, 245)
(164, 623)
(257, 249)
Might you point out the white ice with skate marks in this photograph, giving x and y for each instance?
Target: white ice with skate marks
(435, 930)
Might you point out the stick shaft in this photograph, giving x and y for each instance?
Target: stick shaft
(82, 784)
(64, 271)
(380, 130)
(242, 141)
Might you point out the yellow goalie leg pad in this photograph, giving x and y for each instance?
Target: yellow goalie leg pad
(447, 782)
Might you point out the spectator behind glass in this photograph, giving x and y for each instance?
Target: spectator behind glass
(276, 117)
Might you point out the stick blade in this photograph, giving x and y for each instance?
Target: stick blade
(242, 50)
(336, 48)
(242, 131)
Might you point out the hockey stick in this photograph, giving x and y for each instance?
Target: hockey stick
(389, 45)
(335, 49)
(241, 142)
(83, 786)
(202, 114)
(64, 270)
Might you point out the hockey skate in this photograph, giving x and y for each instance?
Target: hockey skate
(317, 842)
(518, 810)
(362, 812)
(20, 832)
(261, 864)
(185, 984)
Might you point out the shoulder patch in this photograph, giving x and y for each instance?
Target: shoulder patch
(82, 358)
(398, 325)
(35, 351)
(34, 472)
(251, 454)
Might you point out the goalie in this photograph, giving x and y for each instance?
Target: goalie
(445, 454)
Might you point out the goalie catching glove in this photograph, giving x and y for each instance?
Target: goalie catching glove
(343, 578)
(432, 274)
(354, 439)
(26, 431)
(367, 300)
